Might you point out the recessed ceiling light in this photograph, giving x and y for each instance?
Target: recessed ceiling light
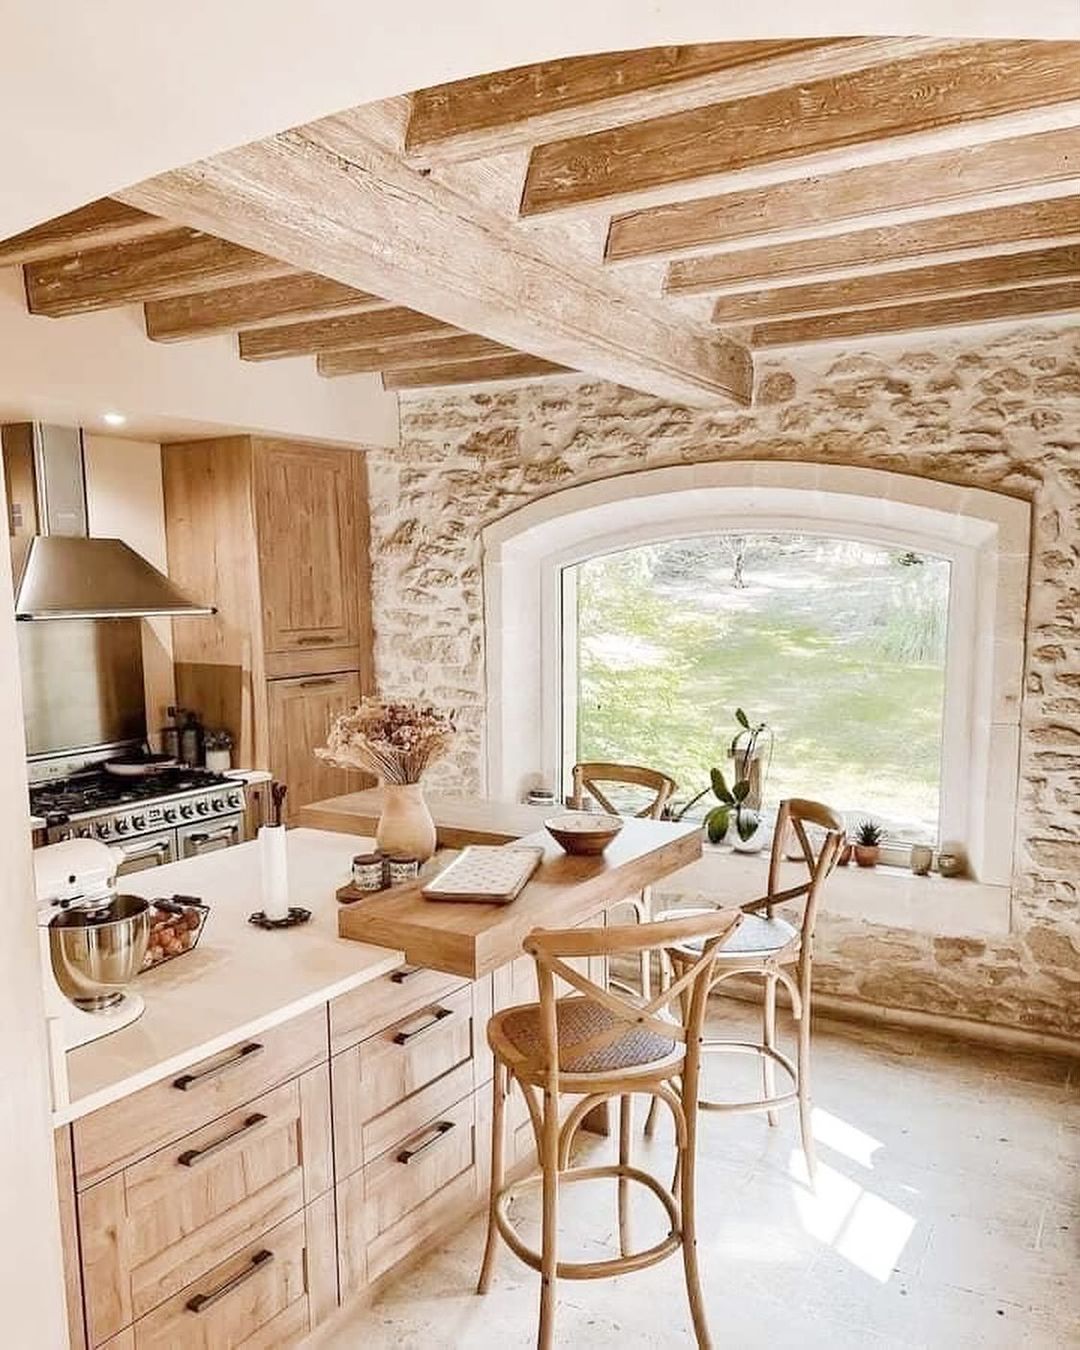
(113, 419)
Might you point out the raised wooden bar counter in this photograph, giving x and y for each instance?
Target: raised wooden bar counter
(458, 820)
(472, 939)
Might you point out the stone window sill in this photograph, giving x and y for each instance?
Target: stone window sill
(892, 897)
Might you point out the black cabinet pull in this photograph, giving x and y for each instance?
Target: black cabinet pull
(437, 1015)
(191, 1156)
(436, 1132)
(404, 973)
(187, 1081)
(199, 1302)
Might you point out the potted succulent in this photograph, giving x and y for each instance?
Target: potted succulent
(741, 802)
(867, 847)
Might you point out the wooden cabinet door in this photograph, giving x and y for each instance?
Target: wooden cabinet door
(312, 526)
(300, 713)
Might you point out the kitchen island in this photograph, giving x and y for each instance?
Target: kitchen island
(297, 1114)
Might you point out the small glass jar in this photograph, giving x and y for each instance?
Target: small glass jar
(400, 871)
(922, 858)
(368, 872)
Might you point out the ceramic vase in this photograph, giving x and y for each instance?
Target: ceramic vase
(754, 843)
(406, 829)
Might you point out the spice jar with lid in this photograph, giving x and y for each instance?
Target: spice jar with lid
(399, 871)
(368, 872)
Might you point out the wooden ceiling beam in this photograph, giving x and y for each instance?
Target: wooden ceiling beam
(101, 222)
(1000, 173)
(516, 109)
(405, 353)
(332, 198)
(988, 90)
(142, 269)
(998, 272)
(1029, 302)
(382, 326)
(262, 303)
(1004, 230)
(514, 366)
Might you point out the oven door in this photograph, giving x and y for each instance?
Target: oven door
(211, 836)
(149, 850)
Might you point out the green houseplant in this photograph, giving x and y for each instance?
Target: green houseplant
(868, 836)
(741, 801)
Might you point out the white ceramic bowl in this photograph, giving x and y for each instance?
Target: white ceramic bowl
(583, 832)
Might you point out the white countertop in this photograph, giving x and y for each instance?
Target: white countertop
(239, 980)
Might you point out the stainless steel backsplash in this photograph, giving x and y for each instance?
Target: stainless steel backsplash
(82, 683)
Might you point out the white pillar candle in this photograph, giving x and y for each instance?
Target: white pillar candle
(274, 872)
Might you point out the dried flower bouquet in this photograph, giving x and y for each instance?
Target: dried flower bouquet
(395, 740)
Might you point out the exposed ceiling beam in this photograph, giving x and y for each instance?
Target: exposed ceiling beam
(142, 269)
(282, 300)
(515, 366)
(384, 326)
(331, 198)
(101, 222)
(1008, 229)
(1028, 167)
(1001, 272)
(516, 109)
(885, 112)
(405, 353)
(958, 311)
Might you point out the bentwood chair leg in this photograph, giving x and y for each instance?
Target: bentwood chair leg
(806, 1126)
(654, 1105)
(501, 1086)
(685, 1169)
(549, 1250)
(768, 1067)
(646, 957)
(626, 1124)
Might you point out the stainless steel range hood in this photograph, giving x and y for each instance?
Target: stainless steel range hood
(61, 573)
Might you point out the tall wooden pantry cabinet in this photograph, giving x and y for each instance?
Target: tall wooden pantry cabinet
(275, 534)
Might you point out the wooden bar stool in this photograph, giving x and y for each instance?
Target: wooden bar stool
(597, 1045)
(771, 949)
(586, 779)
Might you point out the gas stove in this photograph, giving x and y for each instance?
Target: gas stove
(168, 815)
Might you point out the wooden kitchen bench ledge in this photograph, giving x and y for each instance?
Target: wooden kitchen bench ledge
(458, 820)
(472, 939)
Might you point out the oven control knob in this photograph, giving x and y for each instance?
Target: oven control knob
(187, 810)
(83, 832)
(104, 829)
(235, 800)
(218, 804)
(202, 807)
(169, 814)
(139, 822)
(122, 826)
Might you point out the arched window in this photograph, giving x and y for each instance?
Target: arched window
(880, 628)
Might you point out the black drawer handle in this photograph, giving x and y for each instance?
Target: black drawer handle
(437, 1015)
(323, 683)
(199, 1302)
(435, 1132)
(186, 1081)
(313, 639)
(191, 1156)
(404, 973)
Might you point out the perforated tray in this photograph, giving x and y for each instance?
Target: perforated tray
(489, 873)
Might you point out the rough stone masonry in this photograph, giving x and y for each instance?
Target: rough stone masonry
(1003, 414)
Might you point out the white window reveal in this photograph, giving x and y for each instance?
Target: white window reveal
(875, 620)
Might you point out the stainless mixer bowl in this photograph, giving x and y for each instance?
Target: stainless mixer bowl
(98, 950)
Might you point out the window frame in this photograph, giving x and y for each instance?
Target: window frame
(985, 535)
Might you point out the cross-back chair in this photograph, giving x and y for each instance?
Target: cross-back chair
(597, 1045)
(586, 779)
(769, 947)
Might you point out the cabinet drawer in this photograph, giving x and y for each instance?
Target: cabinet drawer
(432, 1180)
(366, 1010)
(374, 1081)
(163, 1223)
(264, 1296)
(129, 1129)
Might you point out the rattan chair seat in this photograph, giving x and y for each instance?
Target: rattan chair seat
(755, 937)
(579, 1020)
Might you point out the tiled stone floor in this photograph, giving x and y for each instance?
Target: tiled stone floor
(947, 1214)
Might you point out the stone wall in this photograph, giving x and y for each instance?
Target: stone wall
(1003, 415)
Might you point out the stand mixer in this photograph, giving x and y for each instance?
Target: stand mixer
(92, 943)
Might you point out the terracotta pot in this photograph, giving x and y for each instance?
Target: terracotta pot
(845, 856)
(405, 829)
(867, 855)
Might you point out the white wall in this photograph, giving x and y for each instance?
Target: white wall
(72, 370)
(125, 501)
(103, 95)
(30, 1275)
